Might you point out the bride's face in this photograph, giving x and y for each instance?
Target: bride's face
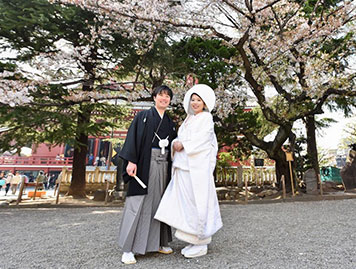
(196, 103)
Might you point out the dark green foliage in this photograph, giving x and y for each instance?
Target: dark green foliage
(205, 58)
(32, 27)
(309, 6)
(54, 124)
(239, 122)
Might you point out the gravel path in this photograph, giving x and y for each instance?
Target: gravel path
(286, 235)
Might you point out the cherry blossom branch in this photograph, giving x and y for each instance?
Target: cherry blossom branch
(321, 101)
(256, 88)
(239, 10)
(228, 16)
(267, 6)
(272, 78)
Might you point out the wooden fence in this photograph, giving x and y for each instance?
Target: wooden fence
(225, 177)
(236, 176)
(235, 183)
(95, 179)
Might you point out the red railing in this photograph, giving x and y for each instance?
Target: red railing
(40, 160)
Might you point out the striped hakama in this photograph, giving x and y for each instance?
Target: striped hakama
(139, 232)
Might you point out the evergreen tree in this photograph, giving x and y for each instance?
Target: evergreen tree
(65, 56)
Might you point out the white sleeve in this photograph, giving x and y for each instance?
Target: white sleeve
(200, 138)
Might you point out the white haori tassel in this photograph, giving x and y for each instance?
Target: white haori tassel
(163, 143)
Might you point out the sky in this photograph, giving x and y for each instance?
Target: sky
(327, 138)
(330, 138)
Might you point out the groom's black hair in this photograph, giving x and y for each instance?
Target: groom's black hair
(162, 88)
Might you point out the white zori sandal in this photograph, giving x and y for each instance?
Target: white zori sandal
(128, 258)
(165, 250)
(196, 251)
(185, 249)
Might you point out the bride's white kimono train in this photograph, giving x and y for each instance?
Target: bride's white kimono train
(190, 203)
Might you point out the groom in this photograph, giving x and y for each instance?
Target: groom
(146, 156)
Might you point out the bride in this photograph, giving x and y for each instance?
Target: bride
(190, 203)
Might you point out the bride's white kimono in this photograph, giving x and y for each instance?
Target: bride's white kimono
(190, 203)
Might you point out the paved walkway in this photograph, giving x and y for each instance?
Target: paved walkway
(313, 234)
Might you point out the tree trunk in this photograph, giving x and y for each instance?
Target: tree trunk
(282, 168)
(275, 152)
(77, 185)
(311, 143)
(292, 139)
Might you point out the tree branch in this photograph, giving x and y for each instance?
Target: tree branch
(272, 78)
(256, 88)
(238, 10)
(267, 6)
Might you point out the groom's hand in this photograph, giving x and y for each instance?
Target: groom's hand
(131, 169)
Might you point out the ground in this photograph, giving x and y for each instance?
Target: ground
(311, 234)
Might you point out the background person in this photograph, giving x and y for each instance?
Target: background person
(15, 181)
(2, 180)
(91, 159)
(40, 179)
(8, 182)
(45, 181)
(52, 181)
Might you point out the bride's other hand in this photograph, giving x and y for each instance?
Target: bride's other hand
(177, 146)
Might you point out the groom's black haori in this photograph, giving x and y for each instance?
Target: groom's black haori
(138, 146)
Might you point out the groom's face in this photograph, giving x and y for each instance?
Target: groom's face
(162, 100)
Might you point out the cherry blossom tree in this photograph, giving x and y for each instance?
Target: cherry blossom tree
(283, 47)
